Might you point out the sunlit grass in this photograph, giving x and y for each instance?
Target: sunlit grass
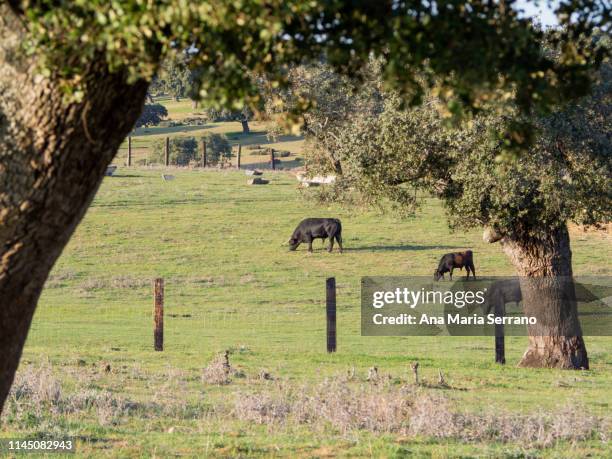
(231, 284)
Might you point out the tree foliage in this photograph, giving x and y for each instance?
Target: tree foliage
(565, 176)
(182, 151)
(218, 147)
(175, 78)
(152, 115)
(387, 152)
(469, 53)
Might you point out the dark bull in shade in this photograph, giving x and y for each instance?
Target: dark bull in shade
(317, 228)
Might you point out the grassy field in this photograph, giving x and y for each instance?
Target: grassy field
(231, 285)
(89, 370)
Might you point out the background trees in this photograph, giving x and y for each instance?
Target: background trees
(152, 114)
(178, 78)
(242, 116)
(184, 150)
(175, 78)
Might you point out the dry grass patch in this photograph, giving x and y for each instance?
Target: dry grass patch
(218, 371)
(341, 405)
(38, 400)
(410, 411)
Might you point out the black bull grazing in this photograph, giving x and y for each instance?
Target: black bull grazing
(317, 228)
(455, 260)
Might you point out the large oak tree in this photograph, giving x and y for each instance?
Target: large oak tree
(74, 76)
(385, 153)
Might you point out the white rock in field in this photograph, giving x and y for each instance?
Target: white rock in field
(167, 177)
(316, 180)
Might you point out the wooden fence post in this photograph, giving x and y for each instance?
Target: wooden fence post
(239, 151)
(158, 315)
(203, 152)
(167, 151)
(330, 290)
(500, 348)
(272, 158)
(129, 155)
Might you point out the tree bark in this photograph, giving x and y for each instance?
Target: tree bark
(245, 126)
(53, 156)
(544, 266)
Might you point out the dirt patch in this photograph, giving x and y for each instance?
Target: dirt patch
(605, 231)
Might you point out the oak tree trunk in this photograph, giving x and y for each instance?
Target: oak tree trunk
(53, 155)
(544, 266)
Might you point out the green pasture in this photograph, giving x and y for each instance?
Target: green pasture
(232, 285)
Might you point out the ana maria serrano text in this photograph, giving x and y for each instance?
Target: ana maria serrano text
(459, 299)
(450, 319)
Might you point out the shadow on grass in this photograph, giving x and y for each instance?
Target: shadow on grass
(284, 164)
(378, 248)
(259, 138)
(160, 130)
(388, 248)
(253, 137)
(127, 175)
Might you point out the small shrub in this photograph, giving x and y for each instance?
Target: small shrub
(220, 115)
(39, 385)
(170, 123)
(182, 150)
(193, 121)
(218, 148)
(152, 115)
(218, 371)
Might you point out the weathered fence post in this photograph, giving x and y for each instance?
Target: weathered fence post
(167, 151)
(500, 348)
(272, 159)
(415, 371)
(203, 153)
(129, 155)
(158, 315)
(239, 151)
(330, 288)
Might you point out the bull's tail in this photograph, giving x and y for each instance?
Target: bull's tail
(339, 226)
